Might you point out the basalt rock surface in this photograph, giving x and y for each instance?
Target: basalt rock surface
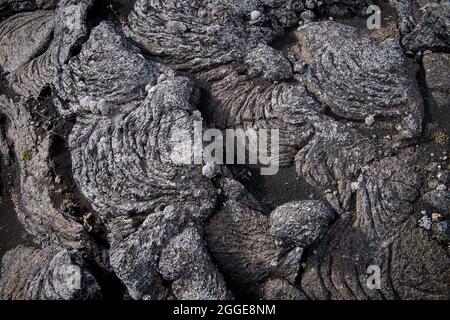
(99, 115)
(31, 63)
(431, 28)
(45, 274)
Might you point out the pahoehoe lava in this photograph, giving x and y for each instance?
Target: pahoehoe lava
(96, 100)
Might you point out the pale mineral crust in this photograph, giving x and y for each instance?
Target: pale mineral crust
(100, 104)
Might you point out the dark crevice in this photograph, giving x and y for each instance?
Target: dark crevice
(95, 14)
(115, 11)
(435, 117)
(287, 40)
(68, 199)
(67, 196)
(6, 90)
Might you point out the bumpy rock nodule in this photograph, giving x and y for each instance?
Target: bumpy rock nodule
(128, 96)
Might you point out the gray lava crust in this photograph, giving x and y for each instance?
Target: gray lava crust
(97, 111)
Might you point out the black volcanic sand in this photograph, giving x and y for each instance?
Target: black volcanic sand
(273, 191)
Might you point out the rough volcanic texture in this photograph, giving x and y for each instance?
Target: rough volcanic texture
(375, 235)
(43, 274)
(32, 62)
(98, 115)
(124, 142)
(247, 252)
(432, 28)
(300, 223)
(186, 262)
(356, 76)
(437, 69)
(8, 7)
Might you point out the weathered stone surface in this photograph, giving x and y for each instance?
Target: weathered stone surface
(8, 6)
(419, 269)
(376, 235)
(435, 192)
(135, 251)
(90, 77)
(247, 252)
(135, 171)
(332, 160)
(209, 28)
(268, 63)
(47, 274)
(37, 43)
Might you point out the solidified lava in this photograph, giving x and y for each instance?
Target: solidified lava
(99, 99)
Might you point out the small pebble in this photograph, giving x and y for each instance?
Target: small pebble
(85, 102)
(255, 15)
(93, 107)
(162, 78)
(370, 120)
